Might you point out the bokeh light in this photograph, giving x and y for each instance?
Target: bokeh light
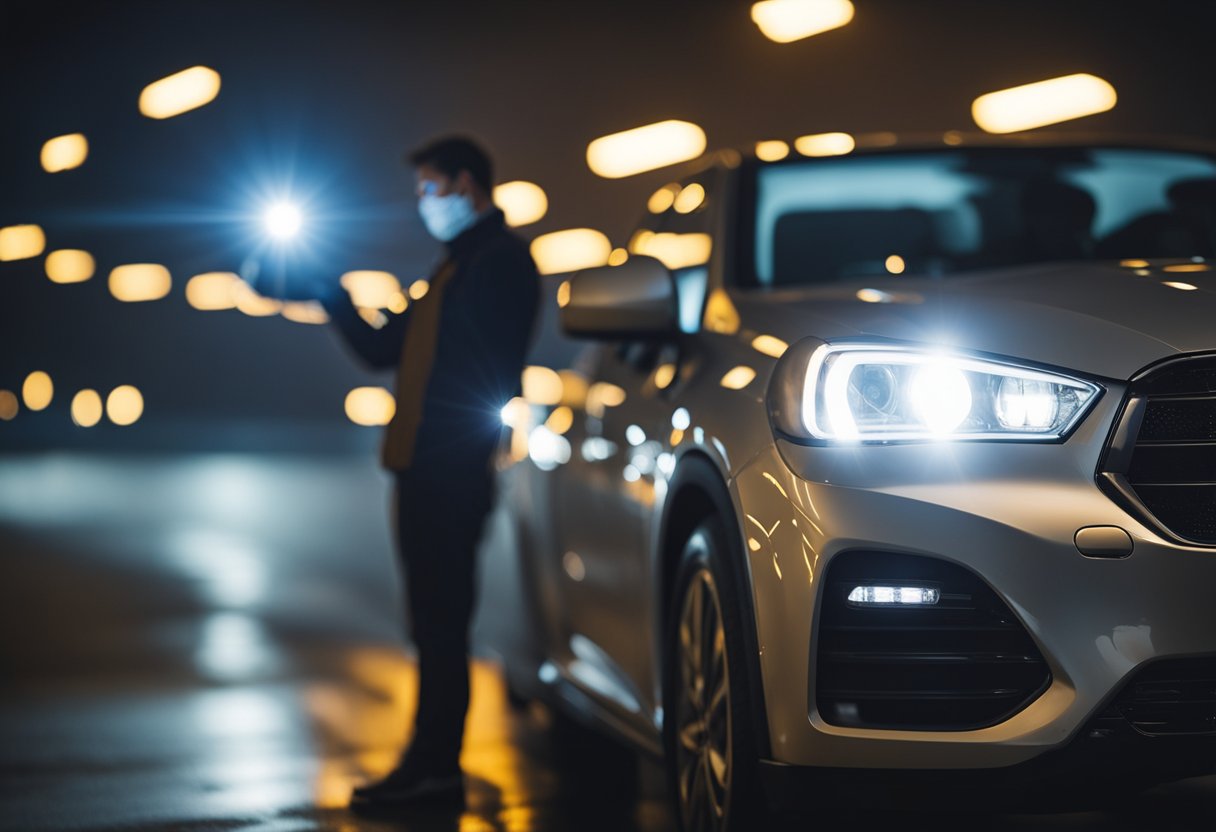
(1043, 102)
(772, 151)
(689, 199)
(570, 250)
(19, 242)
(140, 282)
(125, 405)
(212, 291)
(645, 148)
(541, 385)
(9, 405)
(370, 289)
(69, 265)
(785, 21)
(370, 406)
(522, 202)
(304, 312)
(675, 251)
(87, 408)
(180, 92)
(64, 152)
(825, 144)
(37, 391)
(738, 377)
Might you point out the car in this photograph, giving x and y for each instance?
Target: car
(900, 462)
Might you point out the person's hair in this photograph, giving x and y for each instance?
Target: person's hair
(451, 154)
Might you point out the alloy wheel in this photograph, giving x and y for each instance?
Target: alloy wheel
(703, 720)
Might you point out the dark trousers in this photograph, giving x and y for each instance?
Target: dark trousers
(440, 514)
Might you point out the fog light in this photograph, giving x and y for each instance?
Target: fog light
(894, 596)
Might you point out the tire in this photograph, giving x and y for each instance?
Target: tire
(711, 753)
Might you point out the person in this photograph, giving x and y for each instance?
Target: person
(458, 353)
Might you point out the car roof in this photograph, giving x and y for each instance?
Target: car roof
(876, 143)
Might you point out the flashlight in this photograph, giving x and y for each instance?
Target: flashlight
(283, 220)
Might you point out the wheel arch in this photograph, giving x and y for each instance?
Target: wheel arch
(696, 491)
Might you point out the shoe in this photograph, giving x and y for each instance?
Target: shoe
(411, 784)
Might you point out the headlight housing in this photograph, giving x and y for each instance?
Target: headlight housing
(870, 392)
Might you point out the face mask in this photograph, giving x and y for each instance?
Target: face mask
(446, 216)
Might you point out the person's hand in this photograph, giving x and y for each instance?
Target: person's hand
(285, 283)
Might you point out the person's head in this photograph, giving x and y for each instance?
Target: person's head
(454, 179)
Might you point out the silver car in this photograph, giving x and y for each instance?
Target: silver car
(898, 462)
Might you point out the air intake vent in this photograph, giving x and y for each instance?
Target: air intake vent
(959, 663)
(1161, 464)
(1173, 697)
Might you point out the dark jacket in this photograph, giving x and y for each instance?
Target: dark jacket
(485, 328)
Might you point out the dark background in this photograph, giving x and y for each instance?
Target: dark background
(326, 97)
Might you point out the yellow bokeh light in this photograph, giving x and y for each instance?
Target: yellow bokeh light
(618, 257)
(1187, 267)
(1185, 287)
(610, 394)
(772, 151)
(563, 294)
(645, 148)
(180, 92)
(570, 250)
(140, 282)
(87, 408)
(64, 152)
(37, 391)
(398, 303)
(370, 406)
(69, 265)
(721, 314)
(574, 388)
(522, 202)
(1134, 264)
(419, 288)
(374, 317)
(770, 345)
(18, 242)
(690, 199)
(212, 290)
(304, 312)
(738, 377)
(662, 199)
(785, 21)
(675, 251)
(541, 385)
(9, 405)
(370, 289)
(560, 420)
(251, 303)
(1043, 102)
(664, 375)
(825, 144)
(895, 264)
(125, 405)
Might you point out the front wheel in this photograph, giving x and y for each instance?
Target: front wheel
(711, 752)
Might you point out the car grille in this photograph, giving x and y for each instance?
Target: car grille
(1171, 697)
(963, 663)
(1161, 464)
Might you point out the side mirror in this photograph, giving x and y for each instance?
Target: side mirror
(635, 300)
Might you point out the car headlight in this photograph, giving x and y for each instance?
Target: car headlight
(884, 393)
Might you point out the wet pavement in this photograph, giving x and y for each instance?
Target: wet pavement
(212, 643)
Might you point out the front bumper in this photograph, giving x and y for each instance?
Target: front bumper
(1008, 517)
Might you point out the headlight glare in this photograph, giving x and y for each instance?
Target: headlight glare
(887, 393)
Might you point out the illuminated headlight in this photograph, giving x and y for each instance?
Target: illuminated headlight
(881, 393)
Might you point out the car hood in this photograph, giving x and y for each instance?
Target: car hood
(1099, 319)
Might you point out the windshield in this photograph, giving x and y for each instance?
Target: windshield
(937, 213)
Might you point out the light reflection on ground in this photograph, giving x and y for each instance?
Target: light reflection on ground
(173, 659)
